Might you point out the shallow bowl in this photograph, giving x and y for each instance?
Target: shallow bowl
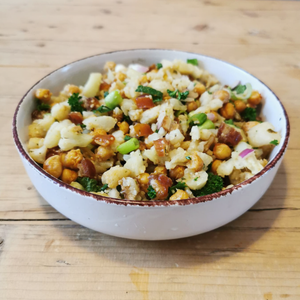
(150, 220)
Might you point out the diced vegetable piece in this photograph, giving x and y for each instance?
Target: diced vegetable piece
(198, 119)
(113, 99)
(193, 61)
(142, 130)
(208, 124)
(91, 87)
(161, 146)
(144, 102)
(129, 146)
(242, 92)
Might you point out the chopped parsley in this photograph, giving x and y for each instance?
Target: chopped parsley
(193, 61)
(42, 106)
(127, 138)
(178, 95)
(105, 94)
(91, 185)
(179, 185)
(75, 103)
(229, 122)
(127, 119)
(275, 142)
(209, 92)
(103, 109)
(82, 126)
(249, 114)
(188, 157)
(156, 130)
(240, 89)
(214, 184)
(195, 179)
(151, 192)
(157, 96)
(159, 66)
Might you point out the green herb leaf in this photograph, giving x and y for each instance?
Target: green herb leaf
(89, 184)
(249, 114)
(151, 192)
(180, 186)
(157, 96)
(82, 126)
(240, 89)
(214, 184)
(195, 179)
(103, 109)
(209, 92)
(127, 119)
(172, 94)
(158, 66)
(275, 142)
(176, 94)
(103, 188)
(188, 157)
(42, 106)
(156, 130)
(230, 122)
(105, 94)
(193, 61)
(127, 138)
(75, 103)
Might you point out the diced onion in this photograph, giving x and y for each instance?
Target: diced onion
(138, 68)
(244, 96)
(245, 152)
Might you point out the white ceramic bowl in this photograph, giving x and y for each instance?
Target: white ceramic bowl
(151, 220)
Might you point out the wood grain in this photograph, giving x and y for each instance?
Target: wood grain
(43, 255)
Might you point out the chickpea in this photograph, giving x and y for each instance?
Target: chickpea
(255, 98)
(221, 151)
(104, 153)
(68, 176)
(71, 89)
(185, 145)
(240, 105)
(215, 166)
(222, 95)
(166, 97)
(249, 125)
(227, 111)
(196, 163)
(143, 180)
(99, 132)
(43, 94)
(177, 172)
(71, 159)
(143, 79)
(160, 170)
(53, 166)
(192, 106)
(216, 116)
(121, 76)
(199, 88)
(109, 65)
(124, 126)
(180, 195)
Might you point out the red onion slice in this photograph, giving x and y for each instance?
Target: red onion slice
(139, 68)
(245, 152)
(211, 116)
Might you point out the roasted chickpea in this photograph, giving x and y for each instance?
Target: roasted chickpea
(121, 76)
(199, 88)
(192, 106)
(255, 98)
(196, 163)
(143, 180)
(177, 172)
(185, 145)
(221, 151)
(43, 94)
(143, 79)
(71, 89)
(240, 105)
(71, 159)
(68, 176)
(215, 166)
(53, 166)
(180, 195)
(222, 95)
(124, 126)
(249, 125)
(104, 153)
(160, 170)
(227, 111)
(109, 65)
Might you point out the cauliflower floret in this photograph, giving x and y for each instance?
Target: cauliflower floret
(150, 115)
(102, 166)
(262, 134)
(87, 114)
(128, 105)
(133, 74)
(135, 163)
(183, 122)
(250, 162)
(120, 67)
(195, 133)
(166, 116)
(72, 136)
(60, 111)
(187, 69)
(151, 154)
(113, 175)
(175, 137)
(91, 87)
(119, 139)
(135, 115)
(53, 135)
(35, 143)
(38, 128)
(114, 194)
(39, 154)
(195, 180)
(178, 158)
(161, 86)
(102, 122)
(177, 105)
(207, 159)
(130, 188)
(181, 83)
(241, 146)
(210, 79)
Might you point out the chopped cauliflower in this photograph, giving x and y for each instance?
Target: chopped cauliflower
(60, 111)
(113, 175)
(92, 85)
(195, 180)
(129, 187)
(135, 163)
(38, 154)
(38, 128)
(175, 137)
(135, 115)
(113, 193)
(103, 122)
(178, 158)
(161, 86)
(150, 115)
(128, 105)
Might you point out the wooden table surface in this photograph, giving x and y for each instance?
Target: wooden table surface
(43, 255)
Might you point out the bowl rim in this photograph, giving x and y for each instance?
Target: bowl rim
(149, 203)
